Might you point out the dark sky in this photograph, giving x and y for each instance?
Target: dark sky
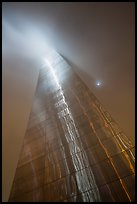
(98, 38)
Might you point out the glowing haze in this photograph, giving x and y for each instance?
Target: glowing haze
(97, 38)
(29, 43)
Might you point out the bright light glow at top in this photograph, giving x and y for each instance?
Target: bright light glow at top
(47, 62)
(28, 41)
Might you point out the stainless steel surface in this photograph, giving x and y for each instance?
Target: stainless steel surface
(73, 150)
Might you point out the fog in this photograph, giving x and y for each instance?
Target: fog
(96, 38)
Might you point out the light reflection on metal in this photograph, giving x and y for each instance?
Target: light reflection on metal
(126, 144)
(84, 182)
(73, 150)
(107, 153)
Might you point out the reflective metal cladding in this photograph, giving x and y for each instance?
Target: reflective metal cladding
(73, 150)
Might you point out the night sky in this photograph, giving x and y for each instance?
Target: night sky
(96, 38)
